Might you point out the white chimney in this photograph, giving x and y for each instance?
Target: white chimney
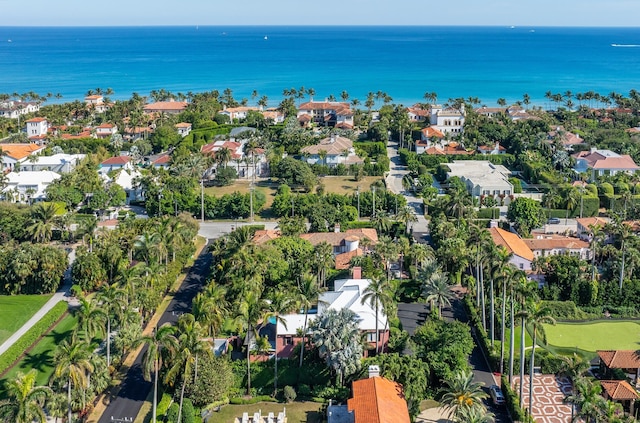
(374, 371)
(336, 228)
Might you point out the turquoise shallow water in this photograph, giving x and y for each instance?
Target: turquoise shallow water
(405, 62)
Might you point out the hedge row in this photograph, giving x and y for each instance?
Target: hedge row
(252, 400)
(32, 336)
(517, 413)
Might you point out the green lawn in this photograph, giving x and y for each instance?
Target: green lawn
(590, 337)
(41, 356)
(297, 412)
(16, 310)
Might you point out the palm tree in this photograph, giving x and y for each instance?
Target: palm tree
(573, 367)
(387, 251)
(406, 216)
(162, 340)
(525, 293)
(210, 308)
(307, 296)
(73, 363)
(26, 401)
(323, 259)
(539, 315)
(90, 317)
(43, 217)
(323, 156)
(419, 253)
(437, 290)
(253, 311)
(111, 299)
(461, 393)
(476, 415)
(282, 302)
(376, 294)
(587, 400)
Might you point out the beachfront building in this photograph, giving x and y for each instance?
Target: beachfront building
(521, 254)
(347, 293)
(170, 107)
(553, 245)
(183, 128)
(14, 109)
(417, 113)
(59, 163)
(28, 187)
(331, 151)
(37, 129)
(15, 154)
(491, 112)
(237, 113)
(326, 113)
(483, 178)
(96, 103)
(447, 121)
(603, 162)
(106, 130)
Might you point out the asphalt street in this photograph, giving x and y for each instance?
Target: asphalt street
(134, 391)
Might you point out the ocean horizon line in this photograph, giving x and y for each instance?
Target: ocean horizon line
(507, 26)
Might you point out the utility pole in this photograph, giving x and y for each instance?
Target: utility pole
(373, 212)
(202, 200)
(293, 212)
(251, 201)
(358, 195)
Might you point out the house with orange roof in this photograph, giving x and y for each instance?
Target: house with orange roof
(553, 245)
(273, 115)
(417, 113)
(116, 163)
(373, 400)
(490, 111)
(161, 161)
(183, 128)
(603, 162)
(327, 113)
(620, 391)
(96, 103)
(337, 150)
(12, 154)
(447, 120)
(566, 138)
(171, 107)
(626, 360)
(522, 256)
(584, 225)
(237, 113)
(494, 149)
(106, 130)
(37, 128)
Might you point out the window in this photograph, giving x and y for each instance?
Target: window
(288, 340)
(371, 337)
(521, 266)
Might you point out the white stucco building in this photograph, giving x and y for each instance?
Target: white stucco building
(27, 186)
(482, 178)
(59, 163)
(447, 121)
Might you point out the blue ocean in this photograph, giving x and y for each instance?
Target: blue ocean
(404, 62)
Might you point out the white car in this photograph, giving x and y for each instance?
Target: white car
(496, 395)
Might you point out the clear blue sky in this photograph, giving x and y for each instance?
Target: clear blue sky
(296, 12)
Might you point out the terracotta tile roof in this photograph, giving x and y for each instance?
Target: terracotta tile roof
(333, 146)
(605, 159)
(93, 97)
(119, 160)
(430, 131)
(325, 105)
(162, 160)
(166, 106)
(552, 243)
(490, 110)
(183, 125)
(620, 359)
(512, 242)
(265, 235)
(491, 147)
(619, 390)
(592, 221)
(106, 126)
(36, 120)
(343, 261)
(20, 151)
(418, 111)
(378, 400)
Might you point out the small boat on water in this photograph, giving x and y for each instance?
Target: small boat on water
(266, 38)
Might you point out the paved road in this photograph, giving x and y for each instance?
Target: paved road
(134, 391)
(212, 230)
(63, 294)
(394, 183)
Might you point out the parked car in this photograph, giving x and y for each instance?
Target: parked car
(496, 395)
(553, 221)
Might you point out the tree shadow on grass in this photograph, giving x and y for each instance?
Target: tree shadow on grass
(38, 361)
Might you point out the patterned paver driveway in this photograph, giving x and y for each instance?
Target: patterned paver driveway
(548, 393)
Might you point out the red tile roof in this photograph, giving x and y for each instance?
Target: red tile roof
(36, 120)
(552, 242)
(20, 151)
(183, 125)
(164, 159)
(620, 359)
(430, 131)
(119, 160)
(166, 106)
(512, 242)
(619, 390)
(343, 261)
(378, 400)
(265, 235)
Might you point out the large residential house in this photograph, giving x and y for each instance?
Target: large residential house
(447, 121)
(522, 256)
(37, 129)
(373, 400)
(442, 149)
(338, 150)
(116, 163)
(96, 102)
(59, 163)
(417, 113)
(483, 178)
(603, 162)
(566, 138)
(27, 186)
(491, 111)
(240, 160)
(347, 293)
(169, 107)
(106, 130)
(183, 128)
(327, 113)
(626, 360)
(126, 178)
(494, 149)
(238, 113)
(553, 245)
(584, 225)
(13, 109)
(12, 154)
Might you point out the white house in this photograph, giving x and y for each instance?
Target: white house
(239, 159)
(183, 128)
(327, 113)
(96, 102)
(116, 163)
(492, 149)
(16, 154)
(106, 130)
(522, 256)
(14, 109)
(553, 245)
(338, 150)
(603, 162)
(27, 186)
(482, 178)
(59, 163)
(417, 113)
(348, 294)
(447, 121)
(238, 113)
(37, 128)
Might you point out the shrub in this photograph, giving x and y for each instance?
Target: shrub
(490, 213)
(163, 406)
(511, 399)
(565, 310)
(252, 400)
(188, 412)
(172, 413)
(289, 394)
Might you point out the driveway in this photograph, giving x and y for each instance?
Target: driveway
(134, 389)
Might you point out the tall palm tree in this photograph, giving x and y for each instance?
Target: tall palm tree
(376, 294)
(210, 308)
(587, 400)
(387, 251)
(525, 293)
(406, 215)
(26, 401)
(539, 315)
(162, 340)
(73, 363)
(282, 302)
(306, 296)
(461, 393)
(437, 290)
(323, 259)
(90, 317)
(43, 218)
(111, 299)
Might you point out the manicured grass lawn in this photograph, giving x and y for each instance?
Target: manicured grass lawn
(589, 337)
(41, 356)
(16, 310)
(269, 189)
(297, 412)
(346, 184)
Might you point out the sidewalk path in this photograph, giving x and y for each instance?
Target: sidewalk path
(63, 294)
